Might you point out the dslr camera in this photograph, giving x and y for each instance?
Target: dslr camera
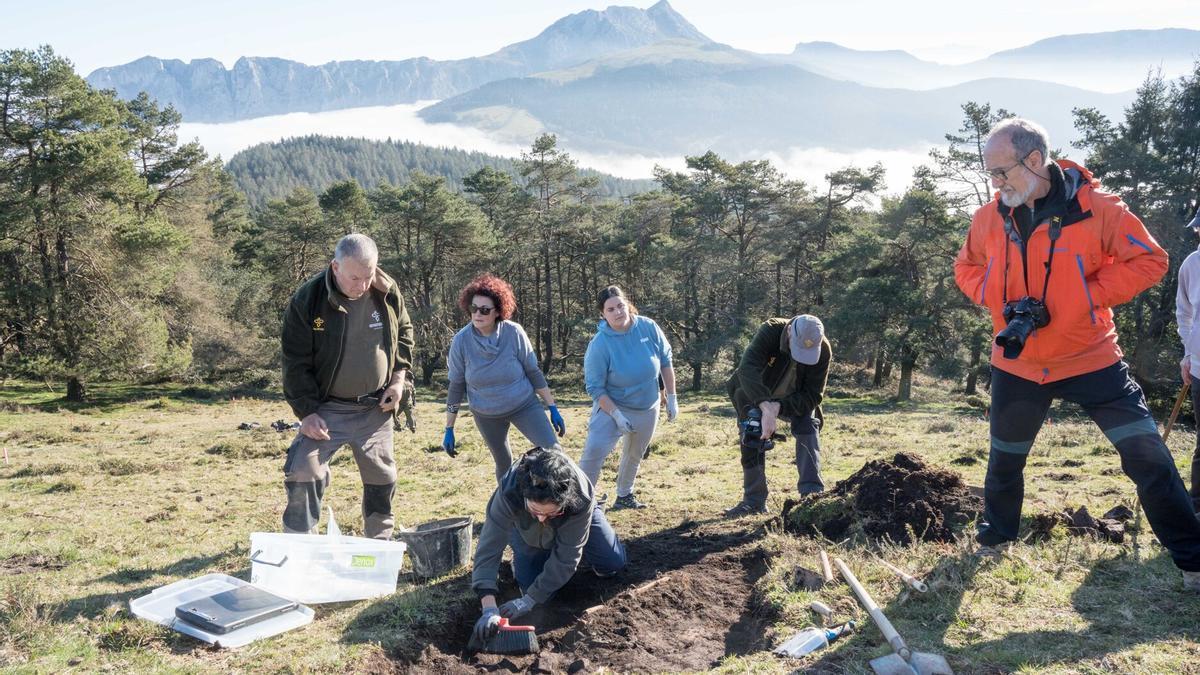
(1022, 317)
(751, 432)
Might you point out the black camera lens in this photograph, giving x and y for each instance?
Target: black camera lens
(1023, 316)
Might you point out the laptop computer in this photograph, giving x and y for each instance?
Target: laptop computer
(233, 609)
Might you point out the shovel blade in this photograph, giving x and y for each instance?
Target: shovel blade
(923, 663)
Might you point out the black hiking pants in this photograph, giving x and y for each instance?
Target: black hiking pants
(1116, 404)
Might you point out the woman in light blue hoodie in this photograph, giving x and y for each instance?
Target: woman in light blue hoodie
(621, 370)
(492, 362)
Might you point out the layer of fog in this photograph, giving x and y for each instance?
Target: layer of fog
(401, 122)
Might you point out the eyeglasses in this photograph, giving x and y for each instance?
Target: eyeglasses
(535, 513)
(1002, 174)
(481, 310)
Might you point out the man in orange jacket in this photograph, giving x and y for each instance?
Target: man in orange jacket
(1050, 256)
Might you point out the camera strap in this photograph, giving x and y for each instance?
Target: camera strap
(1054, 231)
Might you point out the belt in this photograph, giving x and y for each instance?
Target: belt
(373, 398)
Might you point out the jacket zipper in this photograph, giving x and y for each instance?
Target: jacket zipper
(338, 362)
(1086, 291)
(986, 274)
(387, 335)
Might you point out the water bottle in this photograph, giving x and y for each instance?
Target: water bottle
(810, 640)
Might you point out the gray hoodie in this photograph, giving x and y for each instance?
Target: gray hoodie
(498, 373)
(565, 536)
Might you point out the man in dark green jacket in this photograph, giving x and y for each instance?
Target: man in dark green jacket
(783, 374)
(347, 349)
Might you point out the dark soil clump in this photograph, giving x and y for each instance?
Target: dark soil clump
(900, 500)
(809, 580)
(1079, 523)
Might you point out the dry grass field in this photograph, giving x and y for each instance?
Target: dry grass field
(145, 486)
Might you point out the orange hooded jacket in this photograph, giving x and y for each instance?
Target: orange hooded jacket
(1103, 257)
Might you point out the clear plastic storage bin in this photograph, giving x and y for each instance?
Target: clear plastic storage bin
(159, 607)
(314, 568)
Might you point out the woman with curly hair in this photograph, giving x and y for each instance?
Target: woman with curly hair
(493, 363)
(545, 509)
(621, 369)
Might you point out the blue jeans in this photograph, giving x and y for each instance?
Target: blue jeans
(603, 551)
(1116, 404)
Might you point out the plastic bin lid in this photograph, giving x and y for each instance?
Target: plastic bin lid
(159, 607)
(317, 541)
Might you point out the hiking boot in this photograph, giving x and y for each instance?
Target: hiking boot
(992, 551)
(744, 509)
(1191, 581)
(627, 502)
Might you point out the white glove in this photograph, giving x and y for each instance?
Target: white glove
(517, 608)
(672, 407)
(623, 424)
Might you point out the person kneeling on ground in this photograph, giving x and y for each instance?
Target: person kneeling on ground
(545, 508)
(782, 374)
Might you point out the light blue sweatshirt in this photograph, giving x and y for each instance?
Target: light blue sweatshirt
(499, 373)
(625, 366)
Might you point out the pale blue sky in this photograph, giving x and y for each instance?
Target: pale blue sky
(95, 34)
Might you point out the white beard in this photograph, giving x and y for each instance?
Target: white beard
(1014, 199)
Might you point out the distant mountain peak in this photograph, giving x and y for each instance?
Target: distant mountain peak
(582, 36)
(825, 48)
(1164, 42)
(642, 26)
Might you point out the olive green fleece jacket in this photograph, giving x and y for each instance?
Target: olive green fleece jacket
(765, 363)
(313, 332)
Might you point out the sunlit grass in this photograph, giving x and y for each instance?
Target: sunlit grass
(147, 486)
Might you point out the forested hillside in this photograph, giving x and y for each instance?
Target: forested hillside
(127, 255)
(272, 170)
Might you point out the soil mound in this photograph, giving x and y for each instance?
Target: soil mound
(900, 500)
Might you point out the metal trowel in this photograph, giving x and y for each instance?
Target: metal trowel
(903, 661)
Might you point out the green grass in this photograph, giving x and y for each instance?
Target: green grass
(145, 486)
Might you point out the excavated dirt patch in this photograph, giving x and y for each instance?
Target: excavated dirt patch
(688, 621)
(686, 601)
(30, 562)
(898, 499)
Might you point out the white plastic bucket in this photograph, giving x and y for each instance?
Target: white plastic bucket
(313, 568)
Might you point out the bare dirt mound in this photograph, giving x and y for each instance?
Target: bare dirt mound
(900, 500)
(686, 601)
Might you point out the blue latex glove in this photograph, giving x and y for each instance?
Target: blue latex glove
(519, 607)
(487, 625)
(557, 421)
(448, 442)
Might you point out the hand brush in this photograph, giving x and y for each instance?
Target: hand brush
(508, 640)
